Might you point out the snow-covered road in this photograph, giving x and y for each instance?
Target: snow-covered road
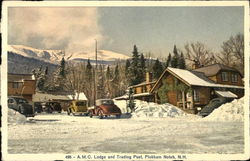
(60, 133)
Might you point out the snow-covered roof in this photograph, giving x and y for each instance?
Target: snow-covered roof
(125, 97)
(192, 78)
(40, 97)
(142, 84)
(226, 94)
(78, 96)
(213, 69)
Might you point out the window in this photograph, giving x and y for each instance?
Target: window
(16, 84)
(224, 76)
(234, 78)
(196, 95)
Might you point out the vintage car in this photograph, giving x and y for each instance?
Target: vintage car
(78, 107)
(21, 105)
(213, 104)
(38, 107)
(105, 108)
(51, 106)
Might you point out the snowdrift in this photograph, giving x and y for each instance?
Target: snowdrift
(145, 109)
(15, 117)
(233, 111)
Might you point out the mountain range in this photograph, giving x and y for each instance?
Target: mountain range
(23, 59)
(55, 56)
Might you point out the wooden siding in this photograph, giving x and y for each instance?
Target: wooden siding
(204, 95)
(26, 88)
(143, 88)
(218, 78)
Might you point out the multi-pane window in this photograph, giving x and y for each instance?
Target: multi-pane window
(224, 76)
(234, 78)
(196, 95)
(16, 85)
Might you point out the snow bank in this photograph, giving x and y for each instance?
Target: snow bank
(122, 105)
(15, 117)
(233, 111)
(145, 109)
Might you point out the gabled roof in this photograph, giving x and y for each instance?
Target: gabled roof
(213, 69)
(142, 84)
(192, 78)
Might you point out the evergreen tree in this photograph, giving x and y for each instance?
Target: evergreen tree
(62, 68)
(168, 63)
(127, 67)
(181, 62)
(157, 69)
(174, 61)
(141, 69)
(134, 69)
(46, 72)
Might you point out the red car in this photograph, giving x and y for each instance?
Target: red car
(105, 108)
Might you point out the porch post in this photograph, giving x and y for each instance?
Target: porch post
(192, 99)
(183, 100)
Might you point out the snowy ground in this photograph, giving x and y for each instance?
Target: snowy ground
(59, 133)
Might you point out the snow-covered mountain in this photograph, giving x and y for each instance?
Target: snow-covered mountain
(50, 56)
(54, 56)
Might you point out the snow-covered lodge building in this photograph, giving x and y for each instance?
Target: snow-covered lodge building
(189, 89)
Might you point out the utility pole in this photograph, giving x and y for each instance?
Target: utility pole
(95, 71)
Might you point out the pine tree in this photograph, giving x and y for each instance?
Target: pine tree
(157, 69)
(181, 62)
(174, 61)
(127, 67)
(141, 69)
(168, 63)
(134, 69)
(62, 68)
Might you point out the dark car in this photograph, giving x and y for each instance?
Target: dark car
(213, 104)
(21, 105)
(105, 108)
(38, 107)
(49, 107)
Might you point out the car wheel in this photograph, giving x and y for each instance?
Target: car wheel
(118, 116)
(21, 109)
(100, 114)
(68, 111)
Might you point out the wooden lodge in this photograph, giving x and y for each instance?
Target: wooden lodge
(21, 85)
(190, 89)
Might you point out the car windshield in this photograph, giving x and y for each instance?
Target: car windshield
(21, 100)
(107, 102)
(82, 103)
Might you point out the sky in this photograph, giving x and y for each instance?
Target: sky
(152, 29)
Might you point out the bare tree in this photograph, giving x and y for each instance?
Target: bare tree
(232, 53)
(198, 52)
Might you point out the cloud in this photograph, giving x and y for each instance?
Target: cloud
(71, 29)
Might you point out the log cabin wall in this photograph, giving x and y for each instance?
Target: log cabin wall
(229, 81)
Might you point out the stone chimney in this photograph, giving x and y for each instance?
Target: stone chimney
(195, 65)
(149, 77)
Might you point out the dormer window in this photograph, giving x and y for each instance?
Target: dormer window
(234, 78)
(224, 76)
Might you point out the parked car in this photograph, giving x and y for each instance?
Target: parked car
(21, 105)
(105, 108)
(51, 106)
(213, 104)
(38, 107)
(78, 107)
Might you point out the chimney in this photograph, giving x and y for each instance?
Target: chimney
(195, 65)
(149, 77)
